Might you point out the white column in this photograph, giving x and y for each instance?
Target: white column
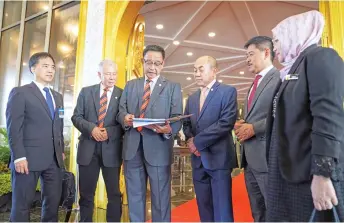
(93, 41)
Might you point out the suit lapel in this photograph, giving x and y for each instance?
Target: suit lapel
(196, 104)
(159, 86)
(58, 104)
(210, 95)
(96, 97)
(267, 78)
(113, 102)
(140, 85)
(246, 100)
(38, 94)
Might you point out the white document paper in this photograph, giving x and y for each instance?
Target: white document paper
(138, 122)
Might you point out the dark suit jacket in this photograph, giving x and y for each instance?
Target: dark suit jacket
(31, 131)
(165, 102)
(253, 152)
(309, 114)
(85, 119)
(211, 128)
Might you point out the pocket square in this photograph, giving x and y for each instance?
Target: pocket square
(289, 77)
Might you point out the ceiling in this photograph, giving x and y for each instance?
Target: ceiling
(233, 22)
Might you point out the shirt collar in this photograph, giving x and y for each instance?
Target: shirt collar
(210, 85)
(265, 71)
(103, 87)
(154, 80)
(41, 86)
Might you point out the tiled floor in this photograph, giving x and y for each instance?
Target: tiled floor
(182, 191)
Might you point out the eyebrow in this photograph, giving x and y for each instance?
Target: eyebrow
(198, 67)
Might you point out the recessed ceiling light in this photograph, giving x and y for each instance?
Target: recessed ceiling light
(189, 54)
(176, 42)
(220, 81)
(242, 72)
(45, 7)
(6, 14)
(188, 78)
(211, 34)
(24, 64)
(159, 26)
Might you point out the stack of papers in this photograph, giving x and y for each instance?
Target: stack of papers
(138, 122)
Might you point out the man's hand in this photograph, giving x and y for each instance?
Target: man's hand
(323, 193)
(128, 120)
(192, 147)
(97, 134)
(63, 156)
(104, 133)
(22, 166)
(238, 124)
(244, 132)
(166, 129)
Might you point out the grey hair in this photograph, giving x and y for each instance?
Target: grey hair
(105, 61)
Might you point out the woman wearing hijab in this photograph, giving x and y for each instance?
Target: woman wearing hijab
(305, 135)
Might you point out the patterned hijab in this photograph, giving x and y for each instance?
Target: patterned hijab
(295, 34)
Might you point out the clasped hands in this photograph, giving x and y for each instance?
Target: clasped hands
(99, 134)
(192, 147)
(162, 129)
(243, 131)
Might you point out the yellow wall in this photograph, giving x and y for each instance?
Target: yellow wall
(333, 36)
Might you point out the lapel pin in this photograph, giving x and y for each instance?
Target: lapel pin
(159, 85)
(211, 89)
(115, 97)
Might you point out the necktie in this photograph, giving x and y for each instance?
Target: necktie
(202, 97)
(253, 91)
(145, 101)
(102, 110)
(49, 101)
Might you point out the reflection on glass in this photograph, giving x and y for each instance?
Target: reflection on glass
(12, 12)
(34, 7)
(58, 2)
(34, 38)
(63, 44)
(8, 58)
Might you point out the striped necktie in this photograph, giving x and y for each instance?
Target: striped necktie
(102, 110)
(145, 101)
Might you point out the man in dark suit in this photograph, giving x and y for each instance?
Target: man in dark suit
(208, 133)
(34, 118)
(100, 142)
(251, 130)
(147, 152)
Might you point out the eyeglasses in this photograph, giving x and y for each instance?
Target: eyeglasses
(150, 63)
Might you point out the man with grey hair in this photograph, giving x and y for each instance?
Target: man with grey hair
(100, 143)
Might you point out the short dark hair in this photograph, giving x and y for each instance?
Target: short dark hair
(154, 48)
(34, 59)
(262, 42)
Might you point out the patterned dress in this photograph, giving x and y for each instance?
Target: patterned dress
(291, 202)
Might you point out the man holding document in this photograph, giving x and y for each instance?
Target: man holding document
(147, 150)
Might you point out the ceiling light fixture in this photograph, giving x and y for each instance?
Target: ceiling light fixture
(45, 7)
(189, 54)
(211, 34)
(159, 26)
(176, 42)
(242, 72)
(188, 78)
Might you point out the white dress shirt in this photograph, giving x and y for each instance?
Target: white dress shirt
(40, 87)
(108, 94)
(152, 83)
(262, 73)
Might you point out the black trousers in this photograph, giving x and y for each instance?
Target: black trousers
(88, 179)
(24, 189)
